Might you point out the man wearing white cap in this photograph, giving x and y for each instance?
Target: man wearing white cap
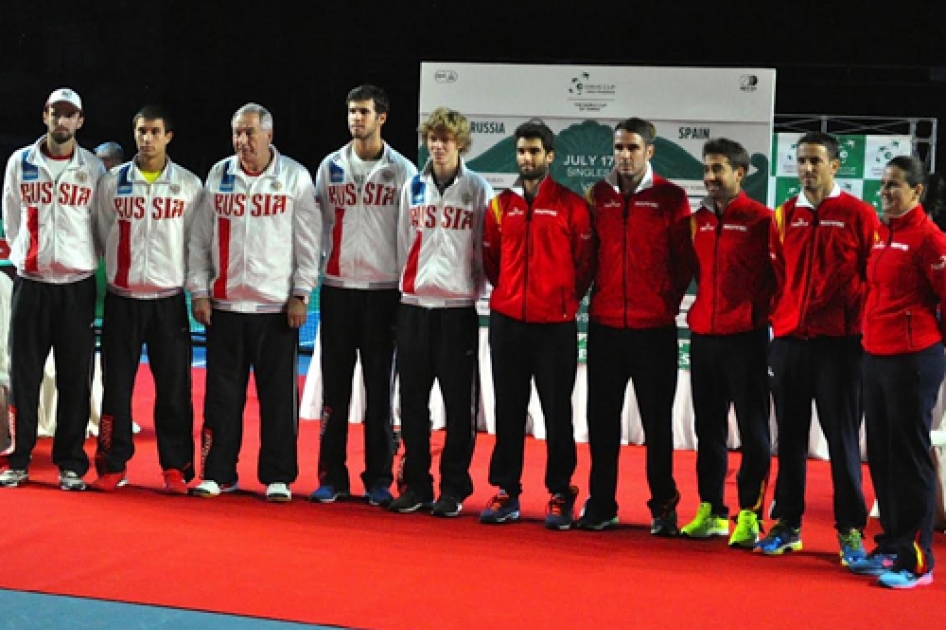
(47, 214)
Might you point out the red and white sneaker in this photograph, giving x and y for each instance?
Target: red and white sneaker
(174, 482)
(110, 481)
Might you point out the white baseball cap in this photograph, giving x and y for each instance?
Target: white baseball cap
(65, 95)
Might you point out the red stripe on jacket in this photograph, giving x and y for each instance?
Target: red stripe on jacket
(223, 247)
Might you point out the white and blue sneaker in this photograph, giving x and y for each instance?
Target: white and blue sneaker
(904, 579)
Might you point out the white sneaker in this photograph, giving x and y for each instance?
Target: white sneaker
(13, 477)
(278, 493)
(210, 488)
(69, 480)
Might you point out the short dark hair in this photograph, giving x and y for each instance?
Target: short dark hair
(154, 112)
(536, 128)
(736, 153)
(644, 128)
(368, 92)
(829, 142)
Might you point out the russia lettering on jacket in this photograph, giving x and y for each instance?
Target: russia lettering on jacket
(161, 207)
(260, 204)
(375, 194)
(453, 218)
(68, 194)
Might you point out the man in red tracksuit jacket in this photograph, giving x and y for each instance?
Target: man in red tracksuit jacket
(821, 241)
(729, 324)
(643, 235)
(537, 254)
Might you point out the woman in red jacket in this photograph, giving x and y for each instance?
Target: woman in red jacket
(903, 369)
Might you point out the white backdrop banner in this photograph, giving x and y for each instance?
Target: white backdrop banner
(581, 104)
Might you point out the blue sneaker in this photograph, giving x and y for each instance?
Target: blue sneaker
(379, 495)
(502, 509)
(904, 579)
(873, 564)
(781, 539)
(328, 494)
(852, 547)
(561, 511)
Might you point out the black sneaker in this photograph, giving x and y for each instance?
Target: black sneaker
(446, 506)
(664, 523)
(593, 520)
(409, 501)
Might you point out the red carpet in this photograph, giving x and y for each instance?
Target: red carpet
(352, 565)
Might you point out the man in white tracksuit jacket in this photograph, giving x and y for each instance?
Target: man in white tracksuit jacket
(253, 261)
(144, 212)
(47, 214)
(358, 188)
(440, 249)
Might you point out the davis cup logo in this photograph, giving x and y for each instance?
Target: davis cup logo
(578, 84)
(583, 86)
(887, 152)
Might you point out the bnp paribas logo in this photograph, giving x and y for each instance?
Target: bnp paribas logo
(583, 85)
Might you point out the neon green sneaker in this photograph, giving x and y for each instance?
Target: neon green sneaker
(852, 547)
(746, 534)
(706, 524)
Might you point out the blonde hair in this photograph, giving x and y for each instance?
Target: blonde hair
(451, 121)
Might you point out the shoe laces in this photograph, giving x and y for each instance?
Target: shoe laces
(781, 530)
(557, 505)
(850, 538)
(746, 519)
(498, 501)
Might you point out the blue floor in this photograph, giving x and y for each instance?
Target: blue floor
(34, 611)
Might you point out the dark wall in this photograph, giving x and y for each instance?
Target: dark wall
(205, 58)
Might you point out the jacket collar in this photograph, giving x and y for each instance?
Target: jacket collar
(707, 203)
(35, 154)
(914, 217)
(802, 200)
(647, 181)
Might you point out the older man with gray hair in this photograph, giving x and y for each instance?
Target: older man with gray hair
(254, 259)
(111, 154)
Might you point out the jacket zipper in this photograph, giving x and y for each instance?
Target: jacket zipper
(525, 275)
(627, 213)
(719, 234)
(811, 260)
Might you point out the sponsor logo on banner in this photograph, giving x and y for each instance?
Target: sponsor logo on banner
(590, 95)
(851, 152)
(748, 83)
(446, 76)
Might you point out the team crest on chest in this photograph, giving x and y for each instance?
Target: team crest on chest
(277, 185)
(467, 199)
(175, 189)
(81, 177)
(387, 175)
